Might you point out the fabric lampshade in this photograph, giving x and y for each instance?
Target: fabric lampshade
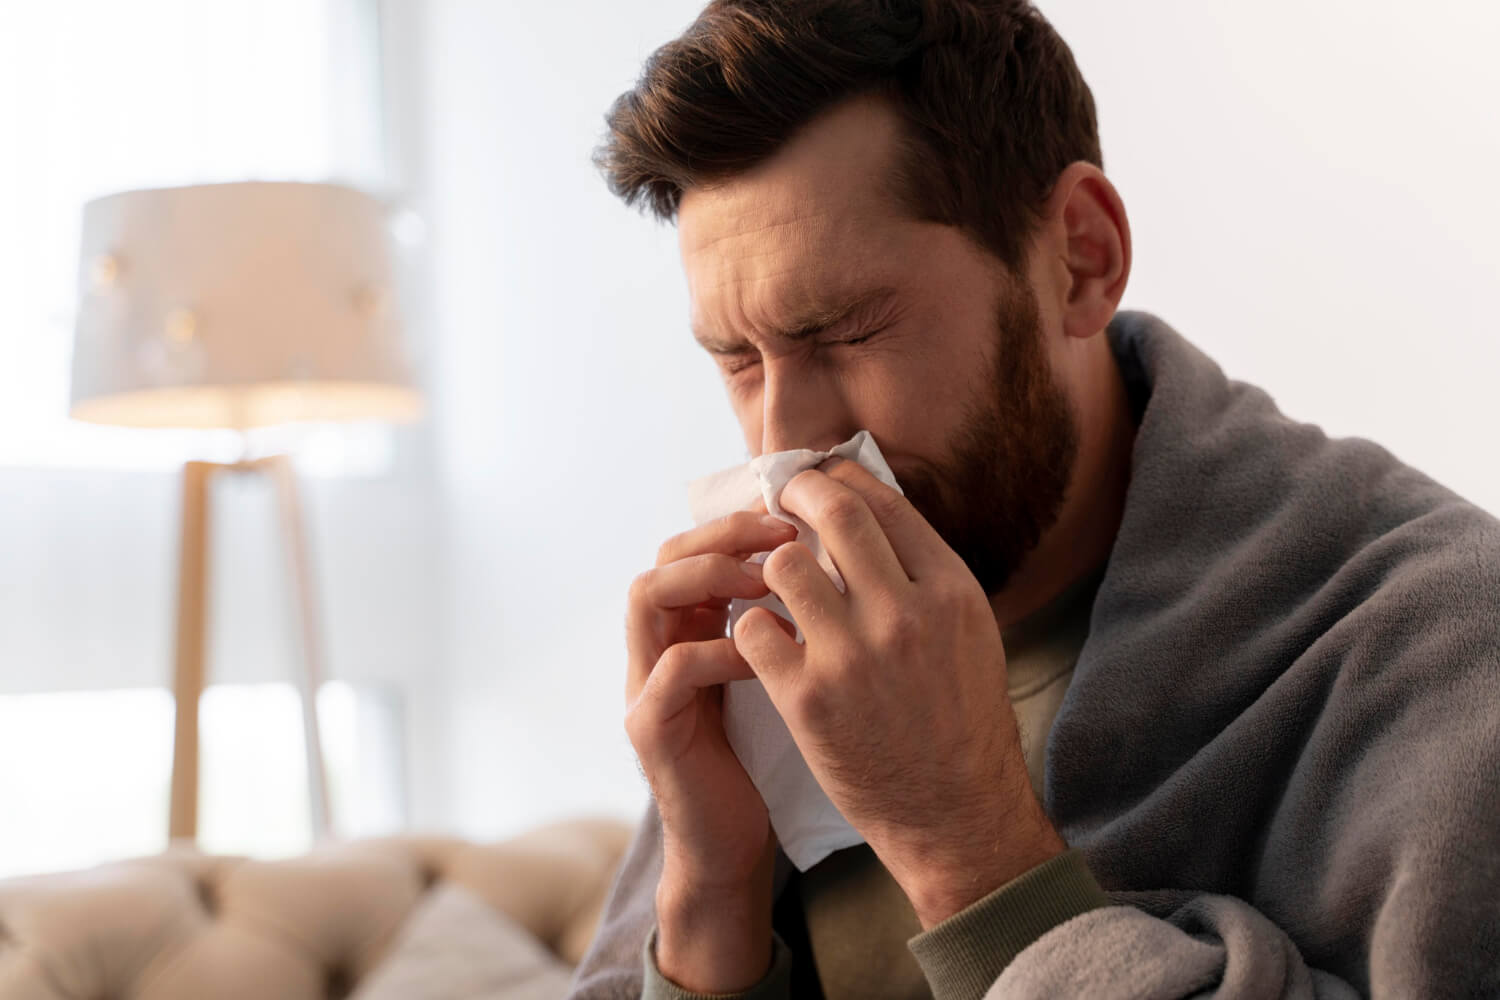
(238, 305)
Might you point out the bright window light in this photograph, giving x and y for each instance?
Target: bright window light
(89, 772)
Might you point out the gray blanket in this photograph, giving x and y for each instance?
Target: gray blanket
(1280, 752)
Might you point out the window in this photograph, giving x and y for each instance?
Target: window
(98, 96)
(78, 763)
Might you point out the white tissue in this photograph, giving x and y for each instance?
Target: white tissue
(808, 825)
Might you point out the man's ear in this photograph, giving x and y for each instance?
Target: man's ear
(1088, 235)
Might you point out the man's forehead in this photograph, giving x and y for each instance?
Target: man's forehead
(752, 242)
(751, 216)
(811, 226)
(788, 274)
(832, 177)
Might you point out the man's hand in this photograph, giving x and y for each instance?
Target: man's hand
(715, 895)
(898, 699)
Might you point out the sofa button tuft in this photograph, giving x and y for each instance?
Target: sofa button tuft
(208, 896)
(338, 984)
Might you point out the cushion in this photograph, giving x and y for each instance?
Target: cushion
(456, 947)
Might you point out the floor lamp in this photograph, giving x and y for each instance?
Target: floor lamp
(238, 306)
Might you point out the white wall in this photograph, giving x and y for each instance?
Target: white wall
(1315, 218)
(570, 411)
(1312, 192)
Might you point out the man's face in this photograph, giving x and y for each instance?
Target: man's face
(830, 309)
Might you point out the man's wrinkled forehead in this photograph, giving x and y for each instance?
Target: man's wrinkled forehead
(733, 237)
(771, 274)
(819, 210)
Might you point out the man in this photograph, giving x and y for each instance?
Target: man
(1142, 689)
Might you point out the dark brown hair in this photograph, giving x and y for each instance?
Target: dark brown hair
(993, 103)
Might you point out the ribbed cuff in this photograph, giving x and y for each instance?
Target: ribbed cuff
(964, 955)
(776, 985)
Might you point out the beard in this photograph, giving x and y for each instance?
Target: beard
(1006, 472)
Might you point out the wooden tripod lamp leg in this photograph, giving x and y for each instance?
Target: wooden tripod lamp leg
(192, 620)
(311, 677)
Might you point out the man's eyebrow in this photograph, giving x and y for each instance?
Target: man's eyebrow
(817, 320)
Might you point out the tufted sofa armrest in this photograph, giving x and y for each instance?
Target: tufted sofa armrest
(183, 924)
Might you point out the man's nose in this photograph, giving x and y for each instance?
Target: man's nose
(800, 410)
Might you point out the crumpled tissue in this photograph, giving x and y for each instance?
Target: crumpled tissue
(807, 824)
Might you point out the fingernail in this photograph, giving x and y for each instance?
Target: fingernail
(775, 522)
(752, 570)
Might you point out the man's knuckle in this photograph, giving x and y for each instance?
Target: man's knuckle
(953, 589)
(782, 560)
(841, 509)
(742, 521)
(721, 565)
(635, 725)
(668, 550)
(742, 625)
(813, 705)
(640, 588)
(671, 663)
(902, 627)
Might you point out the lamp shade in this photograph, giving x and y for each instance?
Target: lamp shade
(238, 305)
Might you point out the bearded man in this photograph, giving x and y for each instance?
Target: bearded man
(1140, 689)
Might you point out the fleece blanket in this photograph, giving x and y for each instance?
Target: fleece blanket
(1280, 752)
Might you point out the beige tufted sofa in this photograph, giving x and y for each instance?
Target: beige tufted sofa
(183, 925)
